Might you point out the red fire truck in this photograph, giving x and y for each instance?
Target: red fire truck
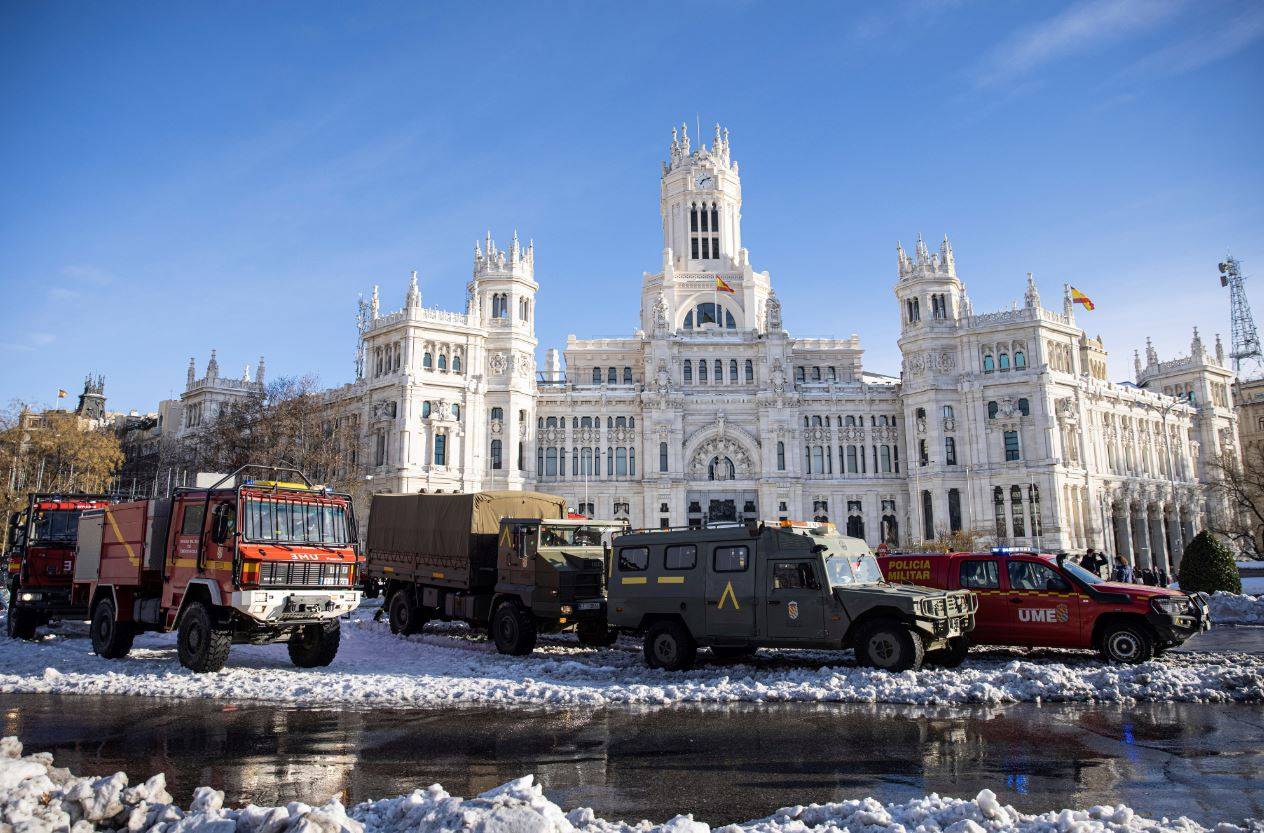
(42, 559)
(1032, 599)
(242, 561)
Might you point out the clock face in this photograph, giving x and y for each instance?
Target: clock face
(704, 180)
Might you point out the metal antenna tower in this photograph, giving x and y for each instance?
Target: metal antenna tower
(1246, 341)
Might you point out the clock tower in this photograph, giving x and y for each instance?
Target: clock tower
(701, 205)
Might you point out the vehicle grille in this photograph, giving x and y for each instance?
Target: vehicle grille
(304, 574)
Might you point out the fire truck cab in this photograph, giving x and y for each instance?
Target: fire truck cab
(41, 560)
(243, 561)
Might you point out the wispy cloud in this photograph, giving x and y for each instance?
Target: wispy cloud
(896, 17)
(41, 339)
(1084, 26)
(61, 293)
(1222, 39)
(87, 274)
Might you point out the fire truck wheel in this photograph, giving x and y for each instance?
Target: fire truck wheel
(406, 617)
(669, 645)
(315, 646)
(20, 624)
(201, 643)
(513, 630)
(595, 634)
(949, 657)
(890, 646)
(1127, 643)
(111, 639)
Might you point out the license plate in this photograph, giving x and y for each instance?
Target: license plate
(590, 605)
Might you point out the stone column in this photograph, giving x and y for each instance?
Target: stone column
(1174, 535)
(1158, 541)
(1142, 535)
(1124, 526)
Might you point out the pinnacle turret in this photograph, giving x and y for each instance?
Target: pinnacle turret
(412, 299)
(924, 263)
(491, 259)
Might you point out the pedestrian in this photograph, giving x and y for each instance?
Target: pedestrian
(1164, 578)
(1101, 565)
(1089, 560)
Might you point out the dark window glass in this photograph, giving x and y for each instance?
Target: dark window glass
(1028, 575)
(793, 575)
(633, 559)
(191, 521)
(980, 575)
(681, 558)
(731, 559)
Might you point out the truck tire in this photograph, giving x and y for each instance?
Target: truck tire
(405, 616)
(949, 657)
(111, 639)
(201, 643)
(890, 646)
(670, 646)
(372, 588)
(513, 630)
(315, 646)
(20, 623)
(595, 634)
(1127, 643)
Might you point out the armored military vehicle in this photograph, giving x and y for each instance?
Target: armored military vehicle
(511, 562)
(739, 587)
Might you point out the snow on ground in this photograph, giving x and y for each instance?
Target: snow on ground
(36, 797)
(1233, 609)
(1253, 585)
(448, 665)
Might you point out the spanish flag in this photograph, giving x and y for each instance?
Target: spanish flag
(1078, 297)
(61, 394)
(721, 286)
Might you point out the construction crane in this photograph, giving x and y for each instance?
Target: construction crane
(1248, 358)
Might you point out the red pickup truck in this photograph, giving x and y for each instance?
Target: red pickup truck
(1038, 600)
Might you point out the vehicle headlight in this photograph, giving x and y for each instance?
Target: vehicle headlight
(27, 597)
(1171, 606)
(566, 609)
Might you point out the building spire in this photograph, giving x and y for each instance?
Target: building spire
(212, 367)
(413, 299)
(1032, 296)
(1152, 355)
(191, 374)
(375, 303)
(259, 373)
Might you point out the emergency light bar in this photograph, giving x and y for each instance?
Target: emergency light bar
(1008, 550)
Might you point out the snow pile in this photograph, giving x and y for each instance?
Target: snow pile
(1233, 609)
(36, 797)
(450, 666)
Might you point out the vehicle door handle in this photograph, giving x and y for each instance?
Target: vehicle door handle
(1015, 600)
(773, 602)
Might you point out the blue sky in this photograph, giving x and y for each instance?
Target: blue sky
(178, 177)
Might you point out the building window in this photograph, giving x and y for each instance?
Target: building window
(1016, 510)
(441, 449)
(688, 371)
(914, 313)
(886, 459)
(950, 451)
(948, 412)
(992, 409)
(702, 370)
(498, 414)
(923, 456)
(425, 410)
(596, 376)
(662, 456)
(456, 364)
(799, 376)
(818, 460)
(1020, 360)
(750, 371)
(719, 371)
(496, 447)
(954, 510)
(427, 361)
(627, 375)
(928, 516)
(998, 507)
(612, 376)
(781, 456)
(851, 460)
(1024, 407)
(989, 363)
(456, 411)
(550, 462)
(1004, 361)
(1011, 446)
(1033, 500)
(733, 371)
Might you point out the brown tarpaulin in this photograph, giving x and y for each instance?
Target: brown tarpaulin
(451, 524)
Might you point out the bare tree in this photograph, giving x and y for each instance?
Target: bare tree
(963, 540)
(1236, 491)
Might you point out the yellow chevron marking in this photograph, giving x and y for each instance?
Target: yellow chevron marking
(730, 595)
(118, 533)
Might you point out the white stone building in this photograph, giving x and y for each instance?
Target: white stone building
(709, 410)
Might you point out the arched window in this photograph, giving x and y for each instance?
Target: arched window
(632, 462)
(689, 320)
(729, 323)
(688, 371)
(851, 422)
(1004, 361)
(719, 371)
(586, 460)
(596, 375)
(443, 363)
(992, 409)
(551, 422)
(620, 422)
(816, 422)
(1020, 360)
(456, 364)
(702, 370)
(706, 314)
(947, 412)
(539, 422)
(1024, 407)
(998, 509)
(798, 375)
(627, 375)
(586, 422)
(427, 361)
(496, 454)
(816, 374)
(989, 364)
(832, 374)
(750, 371)
(550, 462)
(721, 468)
(781, 456)
(886, 458)
(733, 371)
(456, 411)
(498, 414)
(882, 420)
(612, 376)
(851, 460)
(425, 410)
(621, 462)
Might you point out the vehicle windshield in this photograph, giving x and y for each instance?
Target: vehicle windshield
(1080, 573)
(60, 525)
(574, 536)
(849, 564)
(294, 522)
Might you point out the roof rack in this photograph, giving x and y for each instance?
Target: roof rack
(712, 525)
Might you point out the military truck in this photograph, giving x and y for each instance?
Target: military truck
(739, 587)
(511, 562)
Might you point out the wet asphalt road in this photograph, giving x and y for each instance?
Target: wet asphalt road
(724, 764)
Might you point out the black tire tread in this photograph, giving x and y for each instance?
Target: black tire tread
(687, 647)
(527, 631)
(316, 655)
(123, 634)
(219, 640)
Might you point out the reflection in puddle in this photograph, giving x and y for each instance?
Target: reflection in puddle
(722, 763)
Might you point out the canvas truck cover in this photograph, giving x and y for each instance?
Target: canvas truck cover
(446, 540)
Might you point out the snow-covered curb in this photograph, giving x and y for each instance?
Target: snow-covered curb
(36, 797)
(1234, 609)
(449, 667)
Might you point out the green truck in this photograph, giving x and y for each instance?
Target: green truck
(739, 587)
(510, 562)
